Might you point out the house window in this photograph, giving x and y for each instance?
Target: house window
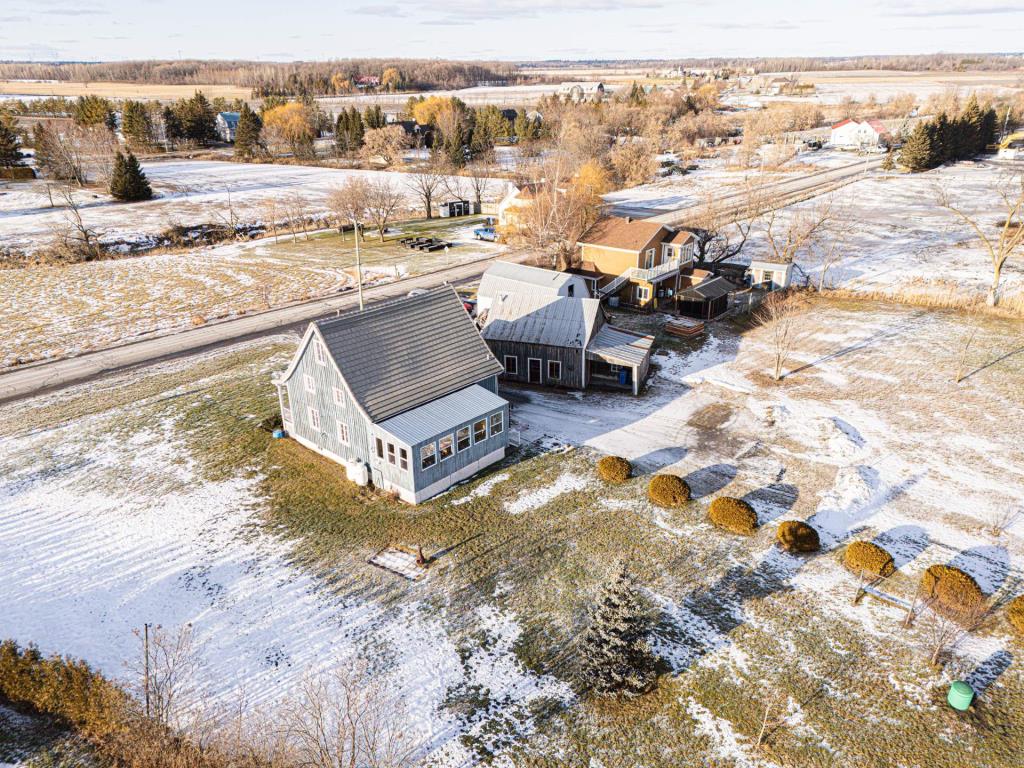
(379, 444)
(497, 423)
(309, 384)
(571, 291)
(649, 258)
(614, 367)
(318, 353)
(511, 365)
(314, 418)
(343, 433)
(339, 396)
(428, 456)
(480, 431)
(462, 439)
(445, 445)
(403, 458)
(643, 293)
(554, 369)
(391, 453)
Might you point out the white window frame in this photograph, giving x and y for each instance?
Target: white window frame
(515, 365)
(378, 447)
(614, 367)
(314, 417)
(319, 353)
(643, 293)
(338, 394)
(498, 418)
(557, 363)
(474, 425)
(649, 255)
(469, 438)
(308, 384)
(392, 455)
(403, 458)
(428, 451)
(343, 433)
(451, 447)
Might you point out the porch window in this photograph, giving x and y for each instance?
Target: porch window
(554, 369)
(462, 439)
(511, 365)
(480, 431)
(309, 384)
(342, 433)
(428, 456)
(445, 444)
(403, 458)
(314, 418)
(497, 423)
(391, 453)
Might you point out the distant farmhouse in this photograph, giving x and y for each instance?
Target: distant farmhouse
(514, 206)
(226, 124)
(859, 134)
(547, 331)
(402, 395)
(582, 91)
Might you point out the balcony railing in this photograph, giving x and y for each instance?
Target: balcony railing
(643, 275)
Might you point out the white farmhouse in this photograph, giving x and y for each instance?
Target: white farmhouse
(859, 134)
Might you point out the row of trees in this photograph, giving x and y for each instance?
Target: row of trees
(948, 138)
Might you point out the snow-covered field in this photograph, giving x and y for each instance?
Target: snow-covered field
(187, 192)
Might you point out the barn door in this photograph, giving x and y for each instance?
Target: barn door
(533, 370)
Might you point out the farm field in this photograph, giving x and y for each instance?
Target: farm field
(56, 311)
(157, 496)
(155, 91)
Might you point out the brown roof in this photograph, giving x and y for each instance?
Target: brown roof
(618, 232)
(680, 237)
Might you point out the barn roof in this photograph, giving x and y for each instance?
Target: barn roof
(504, 276)
(556, 321)
(401, 354)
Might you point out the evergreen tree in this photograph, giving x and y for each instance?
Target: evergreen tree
(136, 124)
(356, 129)
(348, 131)
(489, 127)
(197, 118)
(614, 650)
(10, 154)
(943, 140)
(127, 181)
(918, 153)
(971, 129)
(374, 117)
(888, 164)
(987, 133)
(524, 128)
(173, 129)
(248, 140)
(94, 110)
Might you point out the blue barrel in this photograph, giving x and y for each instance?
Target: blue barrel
(623, 377)
(960, 696)
(278, 433)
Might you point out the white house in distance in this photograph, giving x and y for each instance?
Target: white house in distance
(227, 125)
(859, 134)
(503, 278)
(582, 91)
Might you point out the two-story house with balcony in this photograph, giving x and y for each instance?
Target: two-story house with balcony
(635, 262)
(403, 395)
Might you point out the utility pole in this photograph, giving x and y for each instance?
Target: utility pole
(145, 673)
(359, 265)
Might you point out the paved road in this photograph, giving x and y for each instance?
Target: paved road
(49, 376)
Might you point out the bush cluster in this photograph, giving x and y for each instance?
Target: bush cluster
(798, 536)
(953, 590)
(668, 491)
(614, 469)
(733, 515)
(1015, 613)
(868, 558)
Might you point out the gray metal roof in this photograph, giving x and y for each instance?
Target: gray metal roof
(506, 277)
(400, 354)
(442, 415)
(556, 321)
(714, 288)
(619, 346)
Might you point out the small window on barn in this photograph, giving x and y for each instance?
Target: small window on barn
(428, 456)
(462, 438)
(480, 431)
(614, 367)
(511, 365)
(339, 396)
(318, 353)
(391, 453)
(403, 458)
(309, 384)
(379, 444)
(314, 418)
(497, 423)
(445, 444)
(342, 433)
(571, 291)
(554, 370)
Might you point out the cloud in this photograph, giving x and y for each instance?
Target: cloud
(391, 11)
(74, 11)
(928, 11)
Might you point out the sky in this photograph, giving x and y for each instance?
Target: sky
(47, 30)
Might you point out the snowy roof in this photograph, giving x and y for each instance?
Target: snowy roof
(556, 321)
(430, 420)
(619, 346)
(401, 354)
(231, 118)
(504, 276)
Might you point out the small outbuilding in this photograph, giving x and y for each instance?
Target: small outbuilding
(455, 208)
(771, 275)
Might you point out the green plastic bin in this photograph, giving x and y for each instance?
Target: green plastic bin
(960, 696)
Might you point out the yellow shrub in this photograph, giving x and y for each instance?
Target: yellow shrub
(1015, 613)
(954, 591)
(868, 558)
(614, 469)
(668, 491)
(797, 536)
(733, 515)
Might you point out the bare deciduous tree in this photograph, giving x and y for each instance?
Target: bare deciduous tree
(781, 314)
(383, 201)
(945, 630)
(385, 144)
(74, 240)
(1009, 236)
(792, 238)
(427, 183)
(721, 228)
(166, 674)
